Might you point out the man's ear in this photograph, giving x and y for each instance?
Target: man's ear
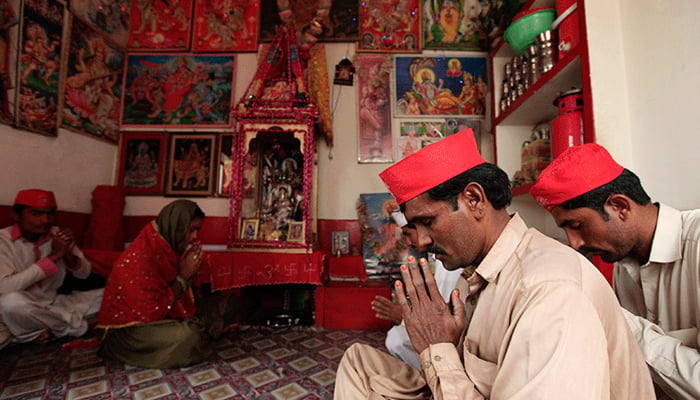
(620, 205)
(474, 198)
(15, 216)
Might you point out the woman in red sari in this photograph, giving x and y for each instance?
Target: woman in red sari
(148, 310)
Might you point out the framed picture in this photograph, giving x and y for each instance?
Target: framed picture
(93, 84)
(296, 232)
(110, 17)
(415, 135)
(224, 165)
(341, 25)
(225, 25)
(454, 25)
(178, 90)
(191, 165)
(160, 25)
(249, 229)
(442, 85)
(374, 133)
(454, 125)
(142, 163)
(39, 65)
(340, 242)
(390, 26)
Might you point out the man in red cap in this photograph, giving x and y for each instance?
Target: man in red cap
(605, 211)
(538, 320)
(35, 257)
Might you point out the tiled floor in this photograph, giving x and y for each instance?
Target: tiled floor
(252, 363)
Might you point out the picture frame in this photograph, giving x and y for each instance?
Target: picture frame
(160, 25)
(110, 17)
(191, 164)
(249, 229)
(296, 232)
(454, 25)
(178, 90)
(416, 134)
(390, 27)
(224, 164)
(226, 26)
(442, 85)
(92, 87)
(341, 25)
(374, 108)
(340, 242)
(142, 163)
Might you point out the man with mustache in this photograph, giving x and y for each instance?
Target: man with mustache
(605, 211)
(530, 319)
(35, 256)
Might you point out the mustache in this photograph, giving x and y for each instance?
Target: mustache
(437, 250)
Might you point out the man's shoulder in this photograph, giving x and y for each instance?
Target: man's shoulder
(543, 258)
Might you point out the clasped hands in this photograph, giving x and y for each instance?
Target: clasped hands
(191, 260)
(428, 319)
(62, 244)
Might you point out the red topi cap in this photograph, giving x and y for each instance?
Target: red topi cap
(36, 198)
(432, 165)
(576, 171)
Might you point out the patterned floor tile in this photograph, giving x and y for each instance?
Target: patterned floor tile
(264, 344)
(289, 392)
(220, 392)
(312, 343)
(23, 388)
(144, 375)
(202, 377)
(230, 353)
(29, 372)
(87, 391)
(294, 335)
(332, 353)
(337, 335)
(262, 378)
(245, 364)
(324, 378)
(153, 392)
(280, 353)
(86, 374)
(302, 364)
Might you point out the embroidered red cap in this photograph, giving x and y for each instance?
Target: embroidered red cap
(432, 165)
(36, 198)
(576, 171)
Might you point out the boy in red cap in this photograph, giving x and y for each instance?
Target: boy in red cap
(35, 257)
(538, 321)
(605, 211)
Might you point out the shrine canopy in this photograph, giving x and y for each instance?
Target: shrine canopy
(278, 90)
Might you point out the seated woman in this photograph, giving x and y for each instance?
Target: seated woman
(148, 310)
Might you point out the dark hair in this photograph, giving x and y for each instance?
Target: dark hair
(18, 208)
(198, 213)
(626, 183)
(493, 179)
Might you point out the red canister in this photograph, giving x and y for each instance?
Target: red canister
(567, 129)
(567, 26)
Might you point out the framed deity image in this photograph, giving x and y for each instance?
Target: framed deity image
(224, 165)
(142, 163)
(249, 229)
(374, 108)
(414, 135)
(191, 164)
(160, 25)
(110, 17)
(341, 24)
(340, 242)
(178, 91)
(296, 232)
(442, 85)
(226, 25)
(388, 26)
(92, 88)
(455, 25)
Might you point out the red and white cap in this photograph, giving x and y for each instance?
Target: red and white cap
(36, 198)
(432, 165)
(576, 171)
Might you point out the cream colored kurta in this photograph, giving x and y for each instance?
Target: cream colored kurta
(28, 283)
(546, 326)
(663, 297)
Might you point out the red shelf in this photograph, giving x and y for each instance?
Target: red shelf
(522, 189)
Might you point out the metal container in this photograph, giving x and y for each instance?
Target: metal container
(547, 50)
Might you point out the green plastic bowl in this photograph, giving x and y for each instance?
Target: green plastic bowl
(526, 26)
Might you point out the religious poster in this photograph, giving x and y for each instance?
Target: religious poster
(341, 24)
(455, 24)
(160, 25)
(390, 26)
(39, 66)
(374, 142)
(110, 17)
(8, 20)
(191, 165)
(178, 90)
(414, 135)
(226, 25)
(142, 163)
(443, 85)
(93, 85)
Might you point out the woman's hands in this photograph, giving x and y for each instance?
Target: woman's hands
(191, 260)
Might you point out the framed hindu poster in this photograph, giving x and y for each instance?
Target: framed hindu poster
(159, 25)
(390, 26)
(142, 163)
(455, 25)
(178, 90)
(414, 135)
(110, 17)
(441, 85)
(93, 84)
(224, 164)
(39, 66)
(8, 22)
(191, 164)
(374, 140)
(225, 25)
(341, 24)
(455, 125)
